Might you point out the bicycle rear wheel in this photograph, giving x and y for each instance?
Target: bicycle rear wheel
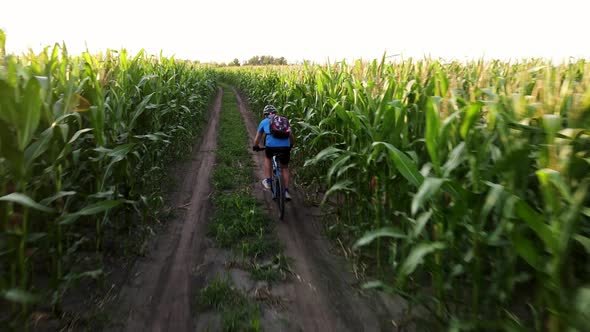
(280, 195)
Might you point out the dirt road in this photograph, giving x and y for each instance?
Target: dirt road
(318, 297)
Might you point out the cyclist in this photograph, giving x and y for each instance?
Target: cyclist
(274, 146)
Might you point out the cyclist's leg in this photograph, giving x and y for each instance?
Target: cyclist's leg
(285, 172)
(267, 168)
(284, 158)
(285, 176)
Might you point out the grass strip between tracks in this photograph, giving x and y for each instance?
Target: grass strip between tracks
(239, 224)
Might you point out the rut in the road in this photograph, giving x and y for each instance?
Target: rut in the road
(158, 298)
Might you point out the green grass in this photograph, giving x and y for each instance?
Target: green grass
(252, 247)
(218, 294)
(273, 270)
(241, 318)
(239, 222)
(238, 312)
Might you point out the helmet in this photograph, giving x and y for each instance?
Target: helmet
(269, 109)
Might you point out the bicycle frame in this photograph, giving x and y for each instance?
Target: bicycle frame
(276, 172)
(277, 188)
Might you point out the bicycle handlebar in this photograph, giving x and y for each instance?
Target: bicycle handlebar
(264, 148)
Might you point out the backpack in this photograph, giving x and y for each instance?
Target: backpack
(279, 126)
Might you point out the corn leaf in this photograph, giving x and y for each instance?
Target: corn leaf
(416, 256)
(382, 232)
(403, 163)
(29, 113)
(25, 200)
(429, 187)
(526, 249)
(535, 221)
(18, 295)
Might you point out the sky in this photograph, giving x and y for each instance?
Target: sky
(315, 30)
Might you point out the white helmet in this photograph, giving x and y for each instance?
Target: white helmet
(269, 109)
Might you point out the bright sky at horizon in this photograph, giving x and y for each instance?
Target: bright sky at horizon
(221, 30)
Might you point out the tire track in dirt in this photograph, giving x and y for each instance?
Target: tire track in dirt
(158, 296)
(322, 297)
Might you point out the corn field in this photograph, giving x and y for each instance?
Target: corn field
(463, 185)
(83, 149)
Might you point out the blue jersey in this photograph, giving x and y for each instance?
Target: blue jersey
(272, 142)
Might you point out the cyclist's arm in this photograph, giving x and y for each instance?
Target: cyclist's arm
(291, 138)
(257, 138)
(259, 133)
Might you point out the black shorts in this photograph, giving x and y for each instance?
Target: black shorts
(283, 153)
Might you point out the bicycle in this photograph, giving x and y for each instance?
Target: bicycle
(277, 188)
